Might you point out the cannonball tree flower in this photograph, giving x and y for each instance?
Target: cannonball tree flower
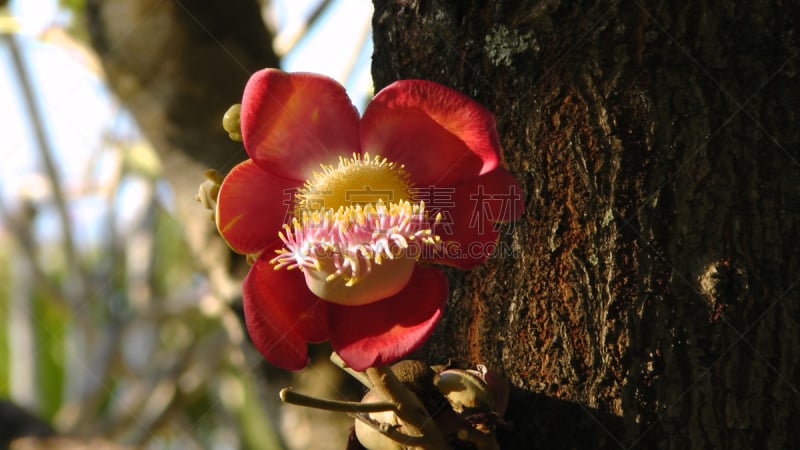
(331, 210)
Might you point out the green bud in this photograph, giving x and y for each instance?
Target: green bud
(231, 123)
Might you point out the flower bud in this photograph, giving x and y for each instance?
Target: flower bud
(466, 391)
(371, 438)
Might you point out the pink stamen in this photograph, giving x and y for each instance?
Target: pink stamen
(355, 237)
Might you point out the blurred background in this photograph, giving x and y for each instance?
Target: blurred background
(119, 314)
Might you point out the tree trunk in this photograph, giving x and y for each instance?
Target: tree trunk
(648, 297)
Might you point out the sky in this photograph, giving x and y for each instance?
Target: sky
(78, 109)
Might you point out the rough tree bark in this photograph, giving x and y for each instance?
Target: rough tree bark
(649, 295)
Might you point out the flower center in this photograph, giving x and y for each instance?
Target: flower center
(355, 234)
(357, 181)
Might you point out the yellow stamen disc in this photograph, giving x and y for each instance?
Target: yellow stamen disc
(357, 181)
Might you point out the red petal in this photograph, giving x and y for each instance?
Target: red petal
(382, 332)
(281, 314)
(469, 222)
(441, 135)
(251, 207)
(292, 123)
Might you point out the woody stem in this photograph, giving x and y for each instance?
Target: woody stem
(409, 409)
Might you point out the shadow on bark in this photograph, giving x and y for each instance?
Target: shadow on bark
(559, 424)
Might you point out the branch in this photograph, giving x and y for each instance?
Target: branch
(410, 410)
(46, 153)
(288, 395)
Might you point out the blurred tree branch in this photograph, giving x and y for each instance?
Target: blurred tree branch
(178, 65)
(77, 276)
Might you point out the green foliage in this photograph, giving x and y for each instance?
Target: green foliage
(173, 265)
(77, 6)
(77, 26)
(49, 325)
(257, 432)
